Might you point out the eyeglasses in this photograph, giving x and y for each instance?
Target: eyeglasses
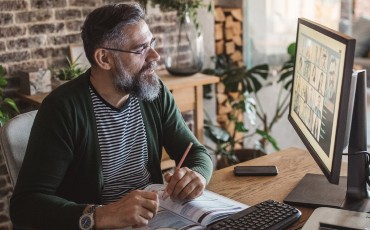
(144, 49)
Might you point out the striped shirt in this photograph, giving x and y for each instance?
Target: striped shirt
(123, 146)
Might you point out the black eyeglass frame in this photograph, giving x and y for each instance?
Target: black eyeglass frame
(151, 45)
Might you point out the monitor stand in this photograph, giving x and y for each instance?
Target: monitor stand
(314, 191)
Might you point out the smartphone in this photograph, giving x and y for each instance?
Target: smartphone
(255, 170)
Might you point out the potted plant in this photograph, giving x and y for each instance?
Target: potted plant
(242, 87)
(70, 72)
(8, 107)
(183, 50)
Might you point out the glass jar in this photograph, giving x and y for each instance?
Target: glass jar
(183, 49)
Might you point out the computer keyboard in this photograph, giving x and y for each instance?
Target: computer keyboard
(267, 215)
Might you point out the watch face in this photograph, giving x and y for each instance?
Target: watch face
(86, 222)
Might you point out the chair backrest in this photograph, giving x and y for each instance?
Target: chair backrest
(14, 137)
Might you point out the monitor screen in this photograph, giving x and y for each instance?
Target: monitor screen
(320, 91)
(328, 111)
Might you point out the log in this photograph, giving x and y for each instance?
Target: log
(219, 33)
(221, 98)
(229, 23)
(236, 56)
(224, 109)
(230, 47)
(237, 14)
(219, 14)
(229, 34)
(222, 118)
(237, 28)
(220, 47)
(238, 40)
(220, 88)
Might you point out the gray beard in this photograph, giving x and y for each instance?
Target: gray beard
(139, 85)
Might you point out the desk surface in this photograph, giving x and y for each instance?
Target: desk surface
(292, 163)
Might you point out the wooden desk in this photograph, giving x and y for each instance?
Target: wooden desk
(292, 163)
(187, 91)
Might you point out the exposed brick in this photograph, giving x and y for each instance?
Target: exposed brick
(115, 1)
(57, 63)
(157, 29)
(61, 40)
(29, 42)
(6, 189)
(4, 218)
(15, 69)
(34, 16)
(2, 181)
(15, 56)
(74, 25)
(6, 18)
(13, 5)
(46, 28)
(6, 226)
(42, 4)
(86, 11)
(12, 31)
(67, 14)
(85, 3)
(3, 169)
(2, 46)
(50, 52)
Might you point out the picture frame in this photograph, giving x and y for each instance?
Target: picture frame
(77, 54)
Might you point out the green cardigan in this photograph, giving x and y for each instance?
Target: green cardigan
(61, 171)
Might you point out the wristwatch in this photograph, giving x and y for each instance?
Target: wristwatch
(87, 220)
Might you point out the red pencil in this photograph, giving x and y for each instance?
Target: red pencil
(184, 156)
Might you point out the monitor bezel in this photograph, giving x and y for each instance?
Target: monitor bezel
(331, 174)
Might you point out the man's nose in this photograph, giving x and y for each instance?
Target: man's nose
(152, 55)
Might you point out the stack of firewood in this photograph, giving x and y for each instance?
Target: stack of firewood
(228, 33)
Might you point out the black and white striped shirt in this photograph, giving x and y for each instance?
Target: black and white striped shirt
(123, 146)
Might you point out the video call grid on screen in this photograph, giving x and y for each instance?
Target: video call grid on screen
(317, 86)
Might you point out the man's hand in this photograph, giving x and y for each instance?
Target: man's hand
(135, 209)
(184, 184)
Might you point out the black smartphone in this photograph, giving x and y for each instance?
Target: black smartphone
(255, 170)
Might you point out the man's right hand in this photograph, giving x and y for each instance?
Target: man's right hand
(135, 209)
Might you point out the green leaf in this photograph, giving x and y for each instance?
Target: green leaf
(291, 49)
(269, 138)
(12, 104)
(239, 126)
(3, 82)
(217, 134)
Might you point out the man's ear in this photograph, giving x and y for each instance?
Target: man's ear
(102, 58)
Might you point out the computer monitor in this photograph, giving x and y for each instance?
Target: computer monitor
(328, 111)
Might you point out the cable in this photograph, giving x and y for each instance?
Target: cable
(367, 163)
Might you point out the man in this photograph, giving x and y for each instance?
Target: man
(332, 75)
(98, 139)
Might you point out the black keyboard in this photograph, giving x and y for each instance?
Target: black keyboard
(267, 215)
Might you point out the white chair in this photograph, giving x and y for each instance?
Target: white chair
(14, 137)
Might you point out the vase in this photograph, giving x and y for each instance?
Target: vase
(183, 50)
